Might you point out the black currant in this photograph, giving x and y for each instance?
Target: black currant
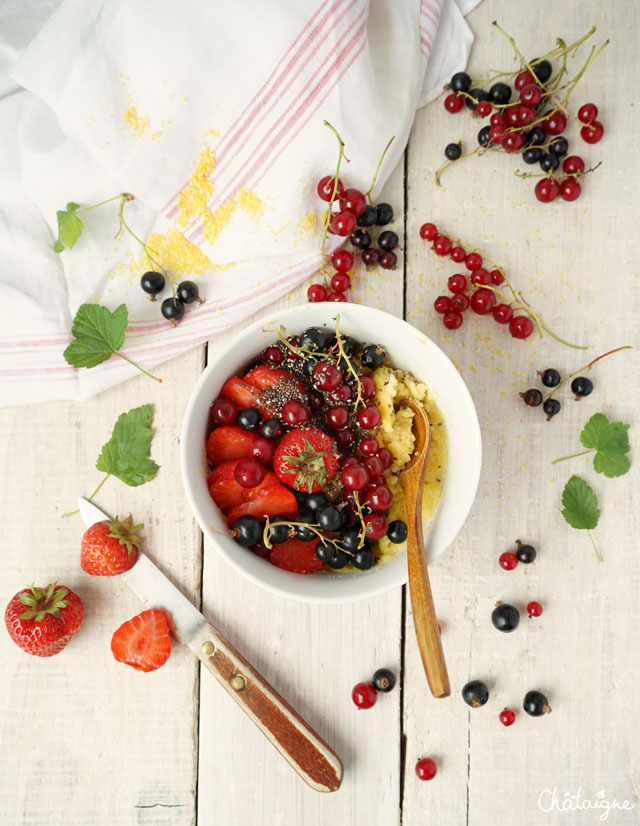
(373, 355)
(363, 559)
(172, 309)
(315, 501)
(368, 217)
(348, 344)
(302, 532)
(325, 550)
(483, 135)
(532, 397)
(249, 419)
(536, 704)
(313, 339)
(152, 283)
(370, 256)
(188, 292)
(559, 146)
(329, 518)
(475, 693)
(388, 240)
(384, 214)
(525, 553)
(542, 70)
(279, 533)
(476, 95)
(246, 530)
(452, 151)
(397, 532)
(360, 239)
(309, 366)
(505, 617)
(551, 407)
(532, 155)
(384, 680)
(500, 93)
(271, 429)
(581, 386)
(338, 560)
(460, 82)
(350, 537)
(550, 377)
(549, 162)
(535, 137)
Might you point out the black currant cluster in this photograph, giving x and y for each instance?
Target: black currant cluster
(376, 249)
(475, 694)
(153, 283)
(580, 386)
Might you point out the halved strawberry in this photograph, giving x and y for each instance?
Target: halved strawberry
(223, 488)
(229, 442)
(306, 459)
(266, 388)
(269, 498)
(143, 642)
(296, 556)
(244, 395)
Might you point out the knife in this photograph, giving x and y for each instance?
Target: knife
(296, 741)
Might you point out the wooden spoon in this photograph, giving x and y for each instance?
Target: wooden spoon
(424, 615)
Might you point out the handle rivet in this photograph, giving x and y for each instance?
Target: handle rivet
(238, 682)
(208, 647)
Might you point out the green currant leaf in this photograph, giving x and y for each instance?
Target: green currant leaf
(127, 453)
(69, 227)
(610, 442)
(580, 504)
(98, 334)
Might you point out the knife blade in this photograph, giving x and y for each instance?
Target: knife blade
(296, 741)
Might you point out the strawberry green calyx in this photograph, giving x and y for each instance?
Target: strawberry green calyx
(43, 601)
(126, 533)
(308, 467)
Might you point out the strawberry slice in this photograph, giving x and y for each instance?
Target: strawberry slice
(229, 442)
(143, 642)
(269, 498)
(223, 488)
(266, 388)
(296, 556)
(306, 459)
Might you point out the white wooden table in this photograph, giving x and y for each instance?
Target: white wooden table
(88, 742)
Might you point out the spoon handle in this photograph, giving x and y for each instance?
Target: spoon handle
(424, 614)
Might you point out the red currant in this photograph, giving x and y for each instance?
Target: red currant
(294, 413)
(340, 282)
(482, 301)
(342, 438)
(376, 525)
(368, 417)
(458, 255)
(526, 115)
(315, 400)
(521, 326)
(369, 446)
(555, 123)
(496, 277)
(513, 116)
(442, 245)
(507, 717)
(459, 303)
(373, 465)
(497, 134)
(355, 476)
(354, 201)
(534, 609)
(524, 79)
(442, 302)
(592, 132)
(337, 417)
(473, 261)
(513, 142)
(502, 313)
(453, 103)
(498, 119)
(341, 394)
(336, 297)
(262, 451)
(343, 223)
(249, 473)
(342, 260)
(587, 113)
(326, 376)
(386, 457)
(326, 187)
(508, 561)
(367, 386)
(570, 189)
(457, 284)
(316, 293)
(426, 768)
(224, 411)
(480, 276)
(530, 94)
(452, 321)
(547, 190)
(349, 461)
(483, 108)
(364, 695)
(379, 497)
(273, 355)
(388, 261)
(428, 232)
(573, 164)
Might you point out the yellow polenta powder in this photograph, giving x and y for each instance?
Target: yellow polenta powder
(396, 433)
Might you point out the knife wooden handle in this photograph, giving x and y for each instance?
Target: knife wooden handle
(301, 747)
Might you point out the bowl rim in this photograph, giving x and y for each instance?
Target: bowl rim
(327, 597)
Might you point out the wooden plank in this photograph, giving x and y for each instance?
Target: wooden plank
(313, 655)
(575, 263)
(86, 740)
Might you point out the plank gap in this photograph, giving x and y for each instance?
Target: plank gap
(403, 736)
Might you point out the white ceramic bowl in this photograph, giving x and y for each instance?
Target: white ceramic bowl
(408, 349)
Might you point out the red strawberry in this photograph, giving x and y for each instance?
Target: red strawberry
(143, 642)
(306, 459)
(43, 620)
(226, 443)
(110, 548)
(266, 388)
(269, 498)
(296, 556)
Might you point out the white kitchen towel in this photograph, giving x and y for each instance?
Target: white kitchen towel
(211, 114)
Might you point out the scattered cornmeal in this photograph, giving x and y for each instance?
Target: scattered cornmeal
(396, 434)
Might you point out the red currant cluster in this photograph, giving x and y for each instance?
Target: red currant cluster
(532, 125)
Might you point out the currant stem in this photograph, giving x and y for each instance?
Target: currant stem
(363, 527)
(342, 354)
(89, 498)
(585, 367)
(369, 191)
(333, 193)
(141, 369)
(573, 456)
(122, 196)
(123, 224)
